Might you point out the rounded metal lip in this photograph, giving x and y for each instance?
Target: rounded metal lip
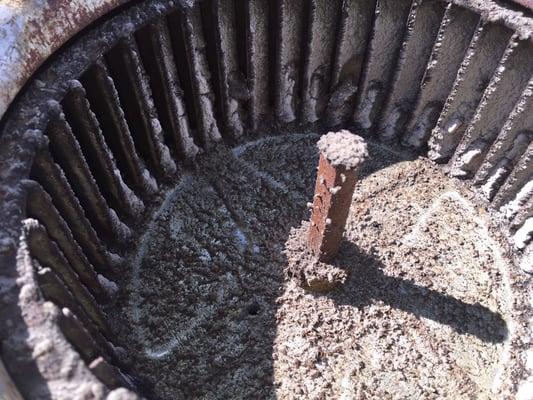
(31, 31)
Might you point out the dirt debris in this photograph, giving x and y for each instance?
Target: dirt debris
(343, 148)
(304, 267)
(422, 306)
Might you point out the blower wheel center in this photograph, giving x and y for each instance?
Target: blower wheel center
(213, 307)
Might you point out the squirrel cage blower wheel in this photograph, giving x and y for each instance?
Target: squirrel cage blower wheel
(157, 165)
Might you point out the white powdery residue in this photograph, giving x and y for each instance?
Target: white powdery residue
(203, 314)
(175, 226)
(453, 125)
(144, 241)
(286, 100)
(267, 177)
(423, 127)
(234, 117)
(343, 148)
(443, 139)
(489, 188)
(511, 208)
(121, 230)
(525, 390)
(149, 180)
(524, 235)
(164, 153)
(181, 338)
(412, 238)
(485, 238)
(527, 264)
(529, 360)
(298, 345)
(366, 108)
(461, 166)
(271, 141)
(109, 286)
(469, 156)
(335, 190)
(274, 183)
(166, 159)
(114, 259)
(156, 126)
(136, 204)
(415, 235)
(241, 237)
(205, 256)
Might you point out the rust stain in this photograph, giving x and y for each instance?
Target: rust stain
(331, 204)
(32, 31)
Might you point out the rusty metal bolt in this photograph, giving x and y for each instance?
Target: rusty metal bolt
(341, 154)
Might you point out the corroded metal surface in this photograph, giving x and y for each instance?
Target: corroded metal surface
(525, 3)
(341, 154)
(333, 195)
(31, 30)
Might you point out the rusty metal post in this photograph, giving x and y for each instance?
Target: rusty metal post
(341, 154)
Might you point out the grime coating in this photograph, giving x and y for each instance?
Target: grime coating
(343, 148)
(214, 308)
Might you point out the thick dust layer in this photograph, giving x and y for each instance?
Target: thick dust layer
(211, 311)
(343, 148)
